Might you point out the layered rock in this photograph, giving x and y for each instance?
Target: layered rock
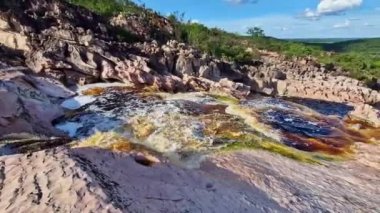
(74, 46)
(305, 78)
(27, 103)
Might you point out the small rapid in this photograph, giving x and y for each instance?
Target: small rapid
(185, 127)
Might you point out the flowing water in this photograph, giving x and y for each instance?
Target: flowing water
(185, 127)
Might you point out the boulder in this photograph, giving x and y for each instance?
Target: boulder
(184, 66)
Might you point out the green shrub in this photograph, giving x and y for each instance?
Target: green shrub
(108, 7)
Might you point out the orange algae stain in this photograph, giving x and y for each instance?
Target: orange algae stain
(363, 131)
(140, 153)
(333, 146)
(223, 126)
(142, 128)
(122, 147)
(339, 142)
(96, 91)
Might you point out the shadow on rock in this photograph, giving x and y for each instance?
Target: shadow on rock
(131, 186)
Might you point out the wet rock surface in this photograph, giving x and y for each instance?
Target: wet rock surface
(186, 126)
(346, 186)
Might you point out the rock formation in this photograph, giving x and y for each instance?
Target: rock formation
(49, 48)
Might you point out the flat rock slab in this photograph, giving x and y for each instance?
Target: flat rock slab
(87, 179)
(347, 186)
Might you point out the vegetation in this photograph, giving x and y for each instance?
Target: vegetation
(360, 57)
(255, 32)
(369, 46)
(109, 7)
(289, 152)
(213, 41)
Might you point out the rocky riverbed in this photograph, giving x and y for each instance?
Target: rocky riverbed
(185, 124)
(143, 150)
(92, 123)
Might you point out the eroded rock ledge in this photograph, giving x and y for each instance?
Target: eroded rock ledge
(68, 44)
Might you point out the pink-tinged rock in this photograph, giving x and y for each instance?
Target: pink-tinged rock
(236, 89)
(25, 107)
(16, 125)
(367, 113)
(9, 104)
(50, 87)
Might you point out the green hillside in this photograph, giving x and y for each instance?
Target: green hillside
(370, 46)
(361, 57)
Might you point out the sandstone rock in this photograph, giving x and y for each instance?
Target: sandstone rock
(147, 26)
(75, 46)
(236, 89)
(210, 71)
(366, 113)
(184, 66)
(26, 108)
(50, 87)
(14, 40)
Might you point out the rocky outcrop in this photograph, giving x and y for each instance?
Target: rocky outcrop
(74, 46)
(146, 26)
(305, 78)
(28, 102)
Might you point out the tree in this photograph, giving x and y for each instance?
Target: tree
(255, 32)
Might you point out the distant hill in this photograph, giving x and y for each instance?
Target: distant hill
(361, 57)
(344, 45)
(321, 40)
(371, 46)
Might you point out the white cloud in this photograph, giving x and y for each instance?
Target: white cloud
(301, 28)
(330, 7)
(310, 14)
(345, 24)
(337, 6)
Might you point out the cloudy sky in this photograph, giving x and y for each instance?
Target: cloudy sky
(282, 18)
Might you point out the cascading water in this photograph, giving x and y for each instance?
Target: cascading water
(185, 127)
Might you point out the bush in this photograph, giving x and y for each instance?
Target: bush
(108, 7)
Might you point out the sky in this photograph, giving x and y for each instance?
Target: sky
(281, 18)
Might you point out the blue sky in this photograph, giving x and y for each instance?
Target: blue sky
(282, 18)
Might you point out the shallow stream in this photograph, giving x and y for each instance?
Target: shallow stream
(184, 127)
